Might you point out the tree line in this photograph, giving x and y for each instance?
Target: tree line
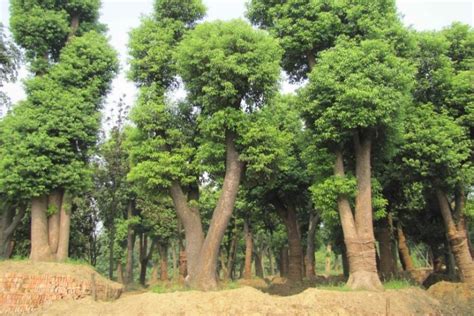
(374, 149)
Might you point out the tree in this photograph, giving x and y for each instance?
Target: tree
(51, 134)
(355, 95)
(10, 59)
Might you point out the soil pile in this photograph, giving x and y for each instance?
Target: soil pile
(456, 298)
(250, 301)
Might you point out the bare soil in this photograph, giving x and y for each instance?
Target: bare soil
(250, 301)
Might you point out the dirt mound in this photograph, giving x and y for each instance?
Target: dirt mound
(250, 301)
(456, 298)
(26, 286)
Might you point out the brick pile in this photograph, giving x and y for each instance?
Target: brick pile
(23, 292)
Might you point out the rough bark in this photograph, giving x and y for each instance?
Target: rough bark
(9, 221)
(358, 230)
(259, 270)
(310, 248)
(163, 249)
(207, 278)
(385, 249)
(55, 201)
(287, 213)
(130, 244)
(64, 229)
(284, 262)
(40, 250)
(457, 240)
(327, 268)
(404, 251)
(248, 251)
(191, 220)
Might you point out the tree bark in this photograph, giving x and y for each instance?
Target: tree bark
(120, 278)
(248, 251)
(457, 240)
(327, 268)
(145, 256)
(207, 278)
(163, 249)
(9, 223)
(259, 270)
(284, 262)
(130, 246)
(232, 254)
(40, 250)
(191, 220)
(385, 248)
(310, 249)
(404, 251)
(64, 229)
(358, 230)
(55, 200)
(287, 213)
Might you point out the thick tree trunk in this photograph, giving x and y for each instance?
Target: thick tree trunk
(310, 249)
(191, 220)
(259, 270)
(55, 200)
(284, 262)
(8, 223)
(120, 278)
(130, 246)
(207, 278)
(358, 230)
(385, 248)
(248, 251)
(457, 240)
(40, 250)
(288, 214)
(64, 229)
(163, 249)
(404, 251)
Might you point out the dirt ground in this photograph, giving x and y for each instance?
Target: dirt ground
(250, 301)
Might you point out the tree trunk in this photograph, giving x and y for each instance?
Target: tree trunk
(130, 244)
(163, 249)
(259, 265)
(327, 268)
(287, 213)
(358, 229)
(145, 256)
(55, 200)
(248, 251)
(120, 278)
(40, 250)
(9, 223)
(310, 249)
(232, 254)
(111, 252)
(64, 229)
(207, 278)
(191, 220)
(284, 262)
(457, 240)
(404, 251)
(385, 248)
(271, 262)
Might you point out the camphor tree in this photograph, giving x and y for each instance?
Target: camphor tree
(356, 93)
(49, 136)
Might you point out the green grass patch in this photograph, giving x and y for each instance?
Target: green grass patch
(340, 287)
(168, 287)
(397, 284)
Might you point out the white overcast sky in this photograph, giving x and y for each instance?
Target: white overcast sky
(122, 15)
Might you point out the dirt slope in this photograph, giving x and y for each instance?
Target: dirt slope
(250, 301)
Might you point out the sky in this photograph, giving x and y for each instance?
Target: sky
(122, 15)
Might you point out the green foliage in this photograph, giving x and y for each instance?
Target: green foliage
(226, 63)
(307, 27)
(42, 27)
(187, 12)
(356, 87)
(10, 59)
(47, 139)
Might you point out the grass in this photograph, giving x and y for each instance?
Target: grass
(168, 287)
(397, 284)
